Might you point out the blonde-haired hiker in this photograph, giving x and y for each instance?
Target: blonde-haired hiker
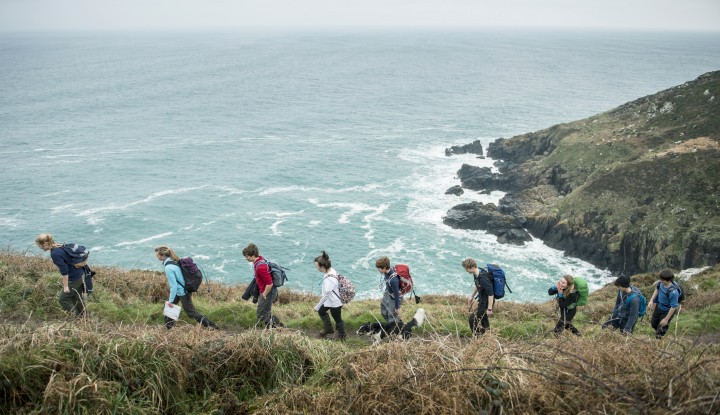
(567, 298)
(479, 321)
(70, 297)
(330, 300)
(177, 288)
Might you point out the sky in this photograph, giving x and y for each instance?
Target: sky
(73, 15)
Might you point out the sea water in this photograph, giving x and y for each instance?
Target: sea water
(299, 142)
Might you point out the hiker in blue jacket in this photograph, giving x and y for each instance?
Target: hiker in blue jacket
(391, 301)
(627, 306)
(666, 297)
(177, 289)
(70, 297)
(567, 298)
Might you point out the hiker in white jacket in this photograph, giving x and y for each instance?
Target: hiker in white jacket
(330, 299)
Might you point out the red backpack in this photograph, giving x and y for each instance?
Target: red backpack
(406, 281)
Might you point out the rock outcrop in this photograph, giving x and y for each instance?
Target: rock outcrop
(473, 148)
(634, 189)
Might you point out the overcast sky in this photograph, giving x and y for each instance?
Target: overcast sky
(53, 15)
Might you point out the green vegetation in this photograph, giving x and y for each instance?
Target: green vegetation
(646, 170)
(122, 360)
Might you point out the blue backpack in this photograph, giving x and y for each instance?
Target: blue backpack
(499, 282)
(642, 310)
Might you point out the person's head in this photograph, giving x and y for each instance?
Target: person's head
(45, 242)
(567, 283)
(666, 277)
(622, 283)
(470, 265)
(251, 252)
(163, 252)
(383, 264)
(322, 263)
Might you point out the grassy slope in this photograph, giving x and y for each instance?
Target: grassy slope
(648, 167)
(121, 359)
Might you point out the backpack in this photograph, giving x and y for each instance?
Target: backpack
(192, 274)
(674, 286)
(346, 289)
(406, 281)
(499, 281)
(583, 291)
(278, 273)
(78, 254)
(642, 310)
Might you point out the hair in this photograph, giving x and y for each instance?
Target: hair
(46, 238)
(382, 263)
(666, 275)
(251, 250)
(167, 252)
(571, 283)
(323, 260)
(469, 263)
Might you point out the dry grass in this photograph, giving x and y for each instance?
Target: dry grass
(109, 364)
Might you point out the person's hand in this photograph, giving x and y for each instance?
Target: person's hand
(561, 285)
(169, 304)
(651, 305)
(470, 300)
(397, 311)
(489, 311)
(664, 322)
(66, 289)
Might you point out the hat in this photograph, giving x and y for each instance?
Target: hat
(622, 281)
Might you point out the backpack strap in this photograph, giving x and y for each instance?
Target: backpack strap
(171, 262)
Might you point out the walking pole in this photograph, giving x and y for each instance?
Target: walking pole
(677, 319)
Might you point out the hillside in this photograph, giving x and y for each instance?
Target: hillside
(633, 189)
(121, 360)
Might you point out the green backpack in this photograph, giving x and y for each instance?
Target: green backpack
(583, 291)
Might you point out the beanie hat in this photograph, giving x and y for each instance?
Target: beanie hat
(622, 281)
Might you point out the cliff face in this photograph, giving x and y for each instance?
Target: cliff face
(636, 188)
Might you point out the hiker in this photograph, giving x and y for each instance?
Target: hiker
(330, 299)
(627, 306)
(567, 298)
(667, 297)
(264, 280)
(392, 300)
(479, 320)
(178, 294)
(70, 297)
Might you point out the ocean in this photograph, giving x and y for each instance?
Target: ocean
(300, 141)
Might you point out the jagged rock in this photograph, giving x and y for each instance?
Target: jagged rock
(473, 148)
(479, 216)
(480, 178)
(455, 190)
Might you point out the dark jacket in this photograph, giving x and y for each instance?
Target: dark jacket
(484, 285)
(252, 290)
(565, 301)
(627, 310)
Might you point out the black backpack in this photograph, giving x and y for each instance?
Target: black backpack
(192, 274)
(78, 254)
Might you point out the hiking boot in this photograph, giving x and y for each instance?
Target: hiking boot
(327, 327)
(340, 331)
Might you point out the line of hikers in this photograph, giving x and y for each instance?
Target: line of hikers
(184, 278)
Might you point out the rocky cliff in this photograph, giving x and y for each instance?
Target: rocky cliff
(633, 189)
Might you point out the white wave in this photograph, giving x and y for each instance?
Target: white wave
(274, 228)
(11, 222)
(201, 257)
(284, 189)
(58, 209)
(142, 241)
(314, 223)
(156, 195)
